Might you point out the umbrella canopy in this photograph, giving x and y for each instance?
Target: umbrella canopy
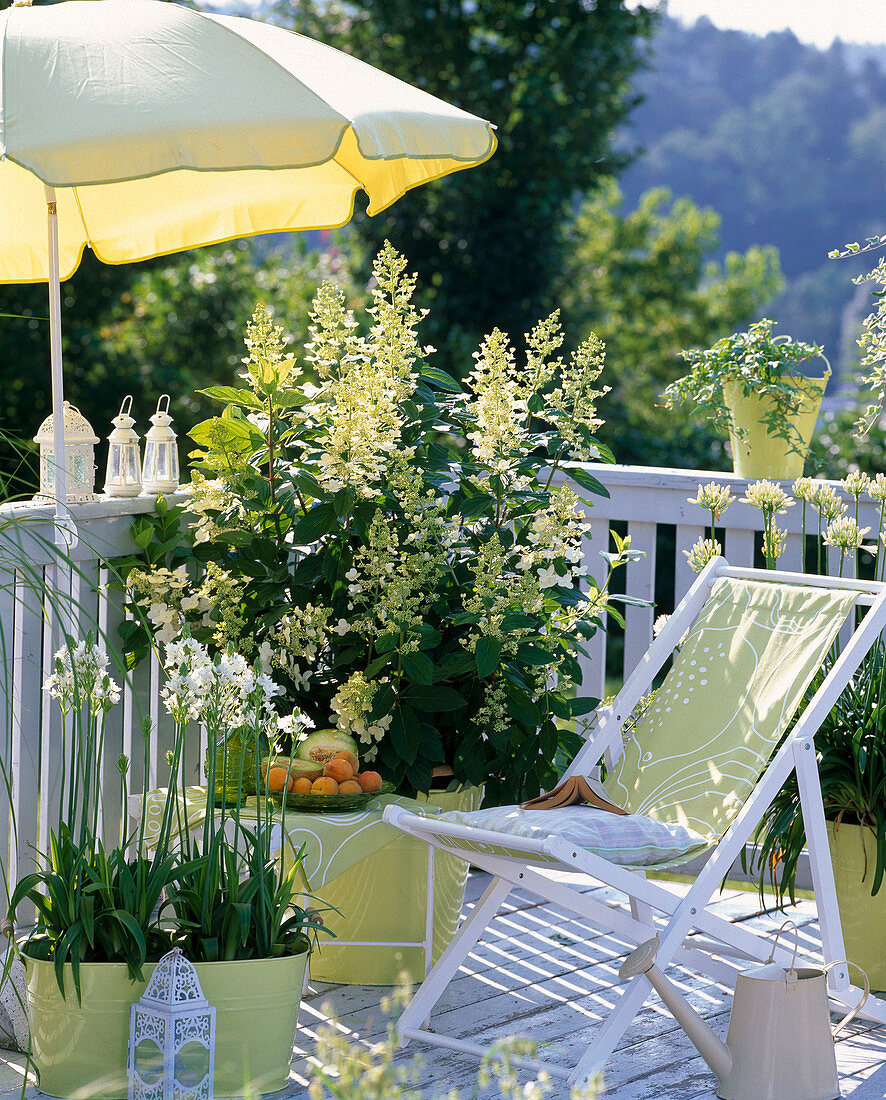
(161, 128)
(141, 128)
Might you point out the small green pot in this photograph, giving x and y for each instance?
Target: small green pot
(80, 1050)
(759, 454)
(863, 917)
(384, 898)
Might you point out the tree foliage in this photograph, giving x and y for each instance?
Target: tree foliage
(646, 284)
(554, 77)
(786, 143)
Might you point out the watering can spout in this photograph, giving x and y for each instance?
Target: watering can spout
(714, 1052)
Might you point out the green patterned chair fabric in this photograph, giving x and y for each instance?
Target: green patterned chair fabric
(697, 751)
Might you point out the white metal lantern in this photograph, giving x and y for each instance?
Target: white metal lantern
(124, 473)
(172, 1036)
(160, 471)
(80, 442)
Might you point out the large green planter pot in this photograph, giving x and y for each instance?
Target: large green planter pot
(853, 854)
(383, 898)
(80, 1050)
(759, 454)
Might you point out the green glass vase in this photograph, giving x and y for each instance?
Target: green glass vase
(236, 769)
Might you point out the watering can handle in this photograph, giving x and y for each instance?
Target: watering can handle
(853, 1012)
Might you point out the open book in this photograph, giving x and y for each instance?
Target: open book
(575, 790)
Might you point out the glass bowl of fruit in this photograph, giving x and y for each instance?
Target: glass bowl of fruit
(322, 776)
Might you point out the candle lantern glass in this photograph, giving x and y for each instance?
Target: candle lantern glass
(124, 472)
(172, 1036)
(160, 473)
(80, 442)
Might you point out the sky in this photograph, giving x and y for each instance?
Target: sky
(817, 22)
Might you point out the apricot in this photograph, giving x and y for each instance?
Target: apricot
(351, 758)
(278, 779)
(369, 781)
(339, 770)
(324, 785)
(350, 786)
(302, 785)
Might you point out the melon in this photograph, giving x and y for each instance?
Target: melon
(322, 745)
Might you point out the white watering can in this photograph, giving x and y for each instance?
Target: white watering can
(780, 1044)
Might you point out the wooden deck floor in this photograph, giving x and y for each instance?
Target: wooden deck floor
(539, 973)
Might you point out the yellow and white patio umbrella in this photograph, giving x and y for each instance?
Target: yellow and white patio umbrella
(140, 128)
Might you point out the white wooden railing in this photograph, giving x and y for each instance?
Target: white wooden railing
(42, 600)
(33, 586)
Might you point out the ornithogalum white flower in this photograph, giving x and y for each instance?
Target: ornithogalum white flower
(701, 553)
(80, 679)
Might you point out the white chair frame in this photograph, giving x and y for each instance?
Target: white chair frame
(653, 909)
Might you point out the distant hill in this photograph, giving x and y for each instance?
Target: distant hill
(787, 143)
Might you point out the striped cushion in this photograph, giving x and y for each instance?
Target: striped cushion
(630, 840)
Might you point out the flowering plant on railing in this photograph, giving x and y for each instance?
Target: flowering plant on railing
(394, 545)
(835, 528)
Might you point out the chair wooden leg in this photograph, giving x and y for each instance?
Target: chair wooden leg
(820, 860)
(419, 1008)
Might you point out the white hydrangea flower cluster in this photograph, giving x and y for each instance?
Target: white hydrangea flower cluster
(556, 533)
(498, 403)
(491, 717)
(498, 590)
(171, 603)
(162, 591)
(573, 404)
(366, 378)
(298, 642)
(351, 706)
(80, 677)
(265, 364)
(391, 583)
(211, 495)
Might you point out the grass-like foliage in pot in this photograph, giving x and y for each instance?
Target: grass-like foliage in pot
(227, 896)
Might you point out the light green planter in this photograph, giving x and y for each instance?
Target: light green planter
(383, 898)
(854, 857)
(759, 454)
(80, 1050)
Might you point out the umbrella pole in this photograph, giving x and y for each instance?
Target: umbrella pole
(65, 530)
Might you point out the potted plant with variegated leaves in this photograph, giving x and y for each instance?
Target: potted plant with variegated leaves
(752, 385)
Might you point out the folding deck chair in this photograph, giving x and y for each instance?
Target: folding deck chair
(696, 771)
